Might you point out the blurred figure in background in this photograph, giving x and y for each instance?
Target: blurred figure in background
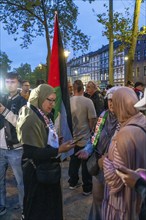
(70, 89)
(130, 84)
(95, 96)
(139, 89)
(39, 82)
(25, 92)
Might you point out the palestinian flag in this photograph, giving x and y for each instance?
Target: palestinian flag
(58, 79)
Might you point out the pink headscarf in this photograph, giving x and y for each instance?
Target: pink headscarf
(124, 100)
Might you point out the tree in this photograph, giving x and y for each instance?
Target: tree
(24, 71)
(135, 34)
(39, 73)
(36, 18)
(124, 31)
(4, 64)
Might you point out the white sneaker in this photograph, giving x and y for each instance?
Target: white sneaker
(86, 193)
(76, 186)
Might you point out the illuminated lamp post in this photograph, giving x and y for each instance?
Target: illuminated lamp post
(66, 54)
(126, 59)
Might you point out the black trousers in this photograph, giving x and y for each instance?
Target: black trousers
(41, 201)
(74, 166)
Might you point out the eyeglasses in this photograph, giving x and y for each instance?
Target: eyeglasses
(51, 100)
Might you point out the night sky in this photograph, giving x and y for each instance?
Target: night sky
(87, 23)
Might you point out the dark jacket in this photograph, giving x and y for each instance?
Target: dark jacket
(140, 187)
(9, 115)
(98, 101)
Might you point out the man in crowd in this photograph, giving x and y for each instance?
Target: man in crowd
(25, 92)
(10, 148)
(83, 119)
(70, 89)
(96, 97)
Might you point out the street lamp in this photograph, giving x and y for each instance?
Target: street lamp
(126, 58)
(66, 53)
(40, 66)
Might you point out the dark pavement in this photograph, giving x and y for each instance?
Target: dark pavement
(76, 206)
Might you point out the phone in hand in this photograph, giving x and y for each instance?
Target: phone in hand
(121, 170)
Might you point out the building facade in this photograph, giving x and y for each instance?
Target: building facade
(139, 67)
(95, 65)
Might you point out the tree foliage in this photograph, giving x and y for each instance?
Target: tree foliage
(5, 63)
(122, 26)
(39, 73)
(29, 19)
(23, 71)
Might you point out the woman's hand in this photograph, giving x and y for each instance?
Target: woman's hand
(82, 154)
(129, 177)
(2, 108)
(66, 146)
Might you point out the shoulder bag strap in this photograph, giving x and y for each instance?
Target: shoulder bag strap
(137, 126)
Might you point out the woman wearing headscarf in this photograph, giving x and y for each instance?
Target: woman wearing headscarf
(104, 131)
(40, 144)
(128, 148)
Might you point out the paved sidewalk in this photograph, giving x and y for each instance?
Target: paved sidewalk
(76, 206)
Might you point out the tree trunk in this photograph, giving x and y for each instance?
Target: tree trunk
(111, 40)
(48, 52)
(47, 40)
(129, 71)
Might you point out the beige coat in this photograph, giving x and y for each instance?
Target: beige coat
(128, 148)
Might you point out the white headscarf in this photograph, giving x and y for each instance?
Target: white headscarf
(111, 91)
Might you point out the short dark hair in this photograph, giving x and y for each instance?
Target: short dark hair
(12, 75)
(40, 81)
(109, 86)
(129, 83)
(138, 84)
(24, 81)
(78, 85)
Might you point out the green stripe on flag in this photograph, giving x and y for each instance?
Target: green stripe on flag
(58, 101)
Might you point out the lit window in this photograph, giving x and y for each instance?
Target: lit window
(138, 55)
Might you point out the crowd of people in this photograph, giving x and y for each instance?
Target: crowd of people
(110, 124)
